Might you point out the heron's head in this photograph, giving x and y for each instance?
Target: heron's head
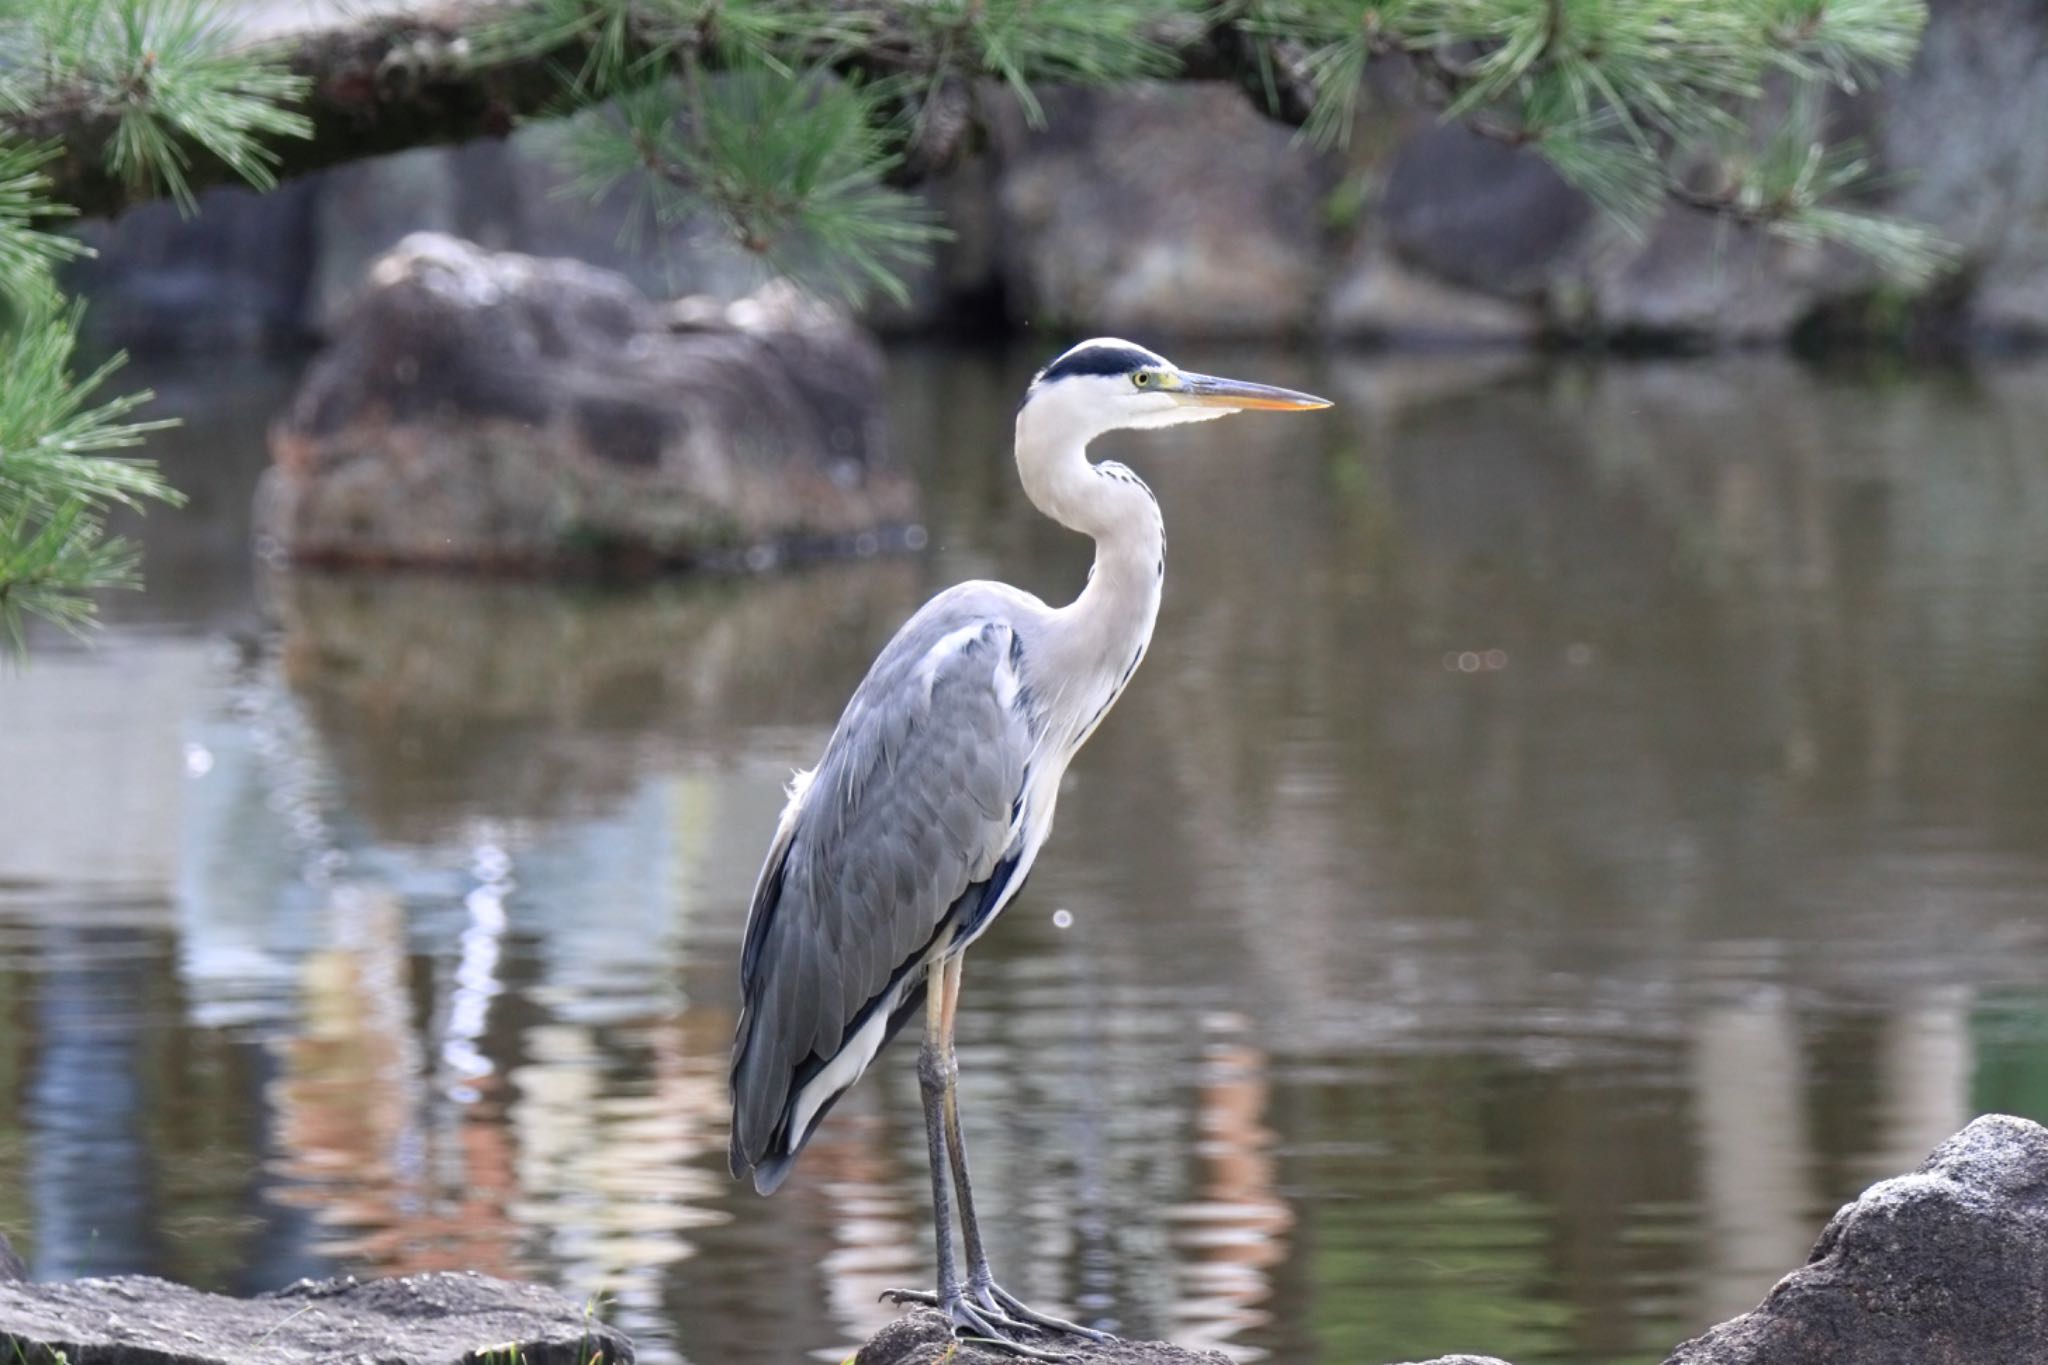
(1108, 384)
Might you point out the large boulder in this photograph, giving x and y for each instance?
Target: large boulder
(441, 1319)
(496, 410)
(1947, 1266)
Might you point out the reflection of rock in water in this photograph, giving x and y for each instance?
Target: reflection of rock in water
(441, 698)
(614, 1173)
(1755, 1158)
(1234, 1232)
(353, 1118)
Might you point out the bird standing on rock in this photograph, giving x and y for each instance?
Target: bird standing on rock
(935, 794)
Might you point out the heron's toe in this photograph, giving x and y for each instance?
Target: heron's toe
(995, 1298)
(902, 1296)
(983, 1324)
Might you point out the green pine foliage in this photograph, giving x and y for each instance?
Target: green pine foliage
(792, 122)
(167, 75)
(792, 163)
(57, 481)
(1034, 42)
(1640, 102)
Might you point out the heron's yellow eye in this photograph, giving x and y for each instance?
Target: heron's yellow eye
(1141, 379)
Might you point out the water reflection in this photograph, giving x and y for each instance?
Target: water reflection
(1578, 824)
(1235, 1230)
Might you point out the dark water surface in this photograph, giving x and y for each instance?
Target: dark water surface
(1577, 825)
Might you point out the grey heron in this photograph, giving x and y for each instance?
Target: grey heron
(936, 792)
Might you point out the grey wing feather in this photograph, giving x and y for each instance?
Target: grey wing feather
(910, 807)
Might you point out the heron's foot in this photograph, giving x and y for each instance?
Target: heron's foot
(1000, 1304)
(992, 1295)
(980, 1325)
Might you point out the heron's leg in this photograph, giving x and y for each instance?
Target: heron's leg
(983, 1324)
(931, 1066)
(981, 1281)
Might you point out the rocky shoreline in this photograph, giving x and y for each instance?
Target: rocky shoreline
(439, 1319)
(1945, 1266)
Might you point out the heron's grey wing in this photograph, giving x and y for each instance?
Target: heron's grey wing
(893, 842)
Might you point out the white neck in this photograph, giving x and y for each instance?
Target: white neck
(1107, 627)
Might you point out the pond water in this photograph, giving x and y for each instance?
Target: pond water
(1578, 824)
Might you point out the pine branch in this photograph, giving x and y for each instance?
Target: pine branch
(365, 88)
(794, 167)
(1624, 99)
(1613, 92)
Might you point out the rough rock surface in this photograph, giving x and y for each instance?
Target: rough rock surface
(497, 410)
(925, 1338)
(429, 1319)
(1947, 1266)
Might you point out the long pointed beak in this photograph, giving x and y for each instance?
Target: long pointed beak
(1211, 391)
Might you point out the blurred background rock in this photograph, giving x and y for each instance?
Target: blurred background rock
(1120, 217)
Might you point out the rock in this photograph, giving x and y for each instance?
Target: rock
(1378, 297)
(1696, 277)
(1163, 210)
(925, 1338)
(1950, 135)
(441, 1319)
(1468, 211)
(233, 275)
(1947, 1266)
(496, 410)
